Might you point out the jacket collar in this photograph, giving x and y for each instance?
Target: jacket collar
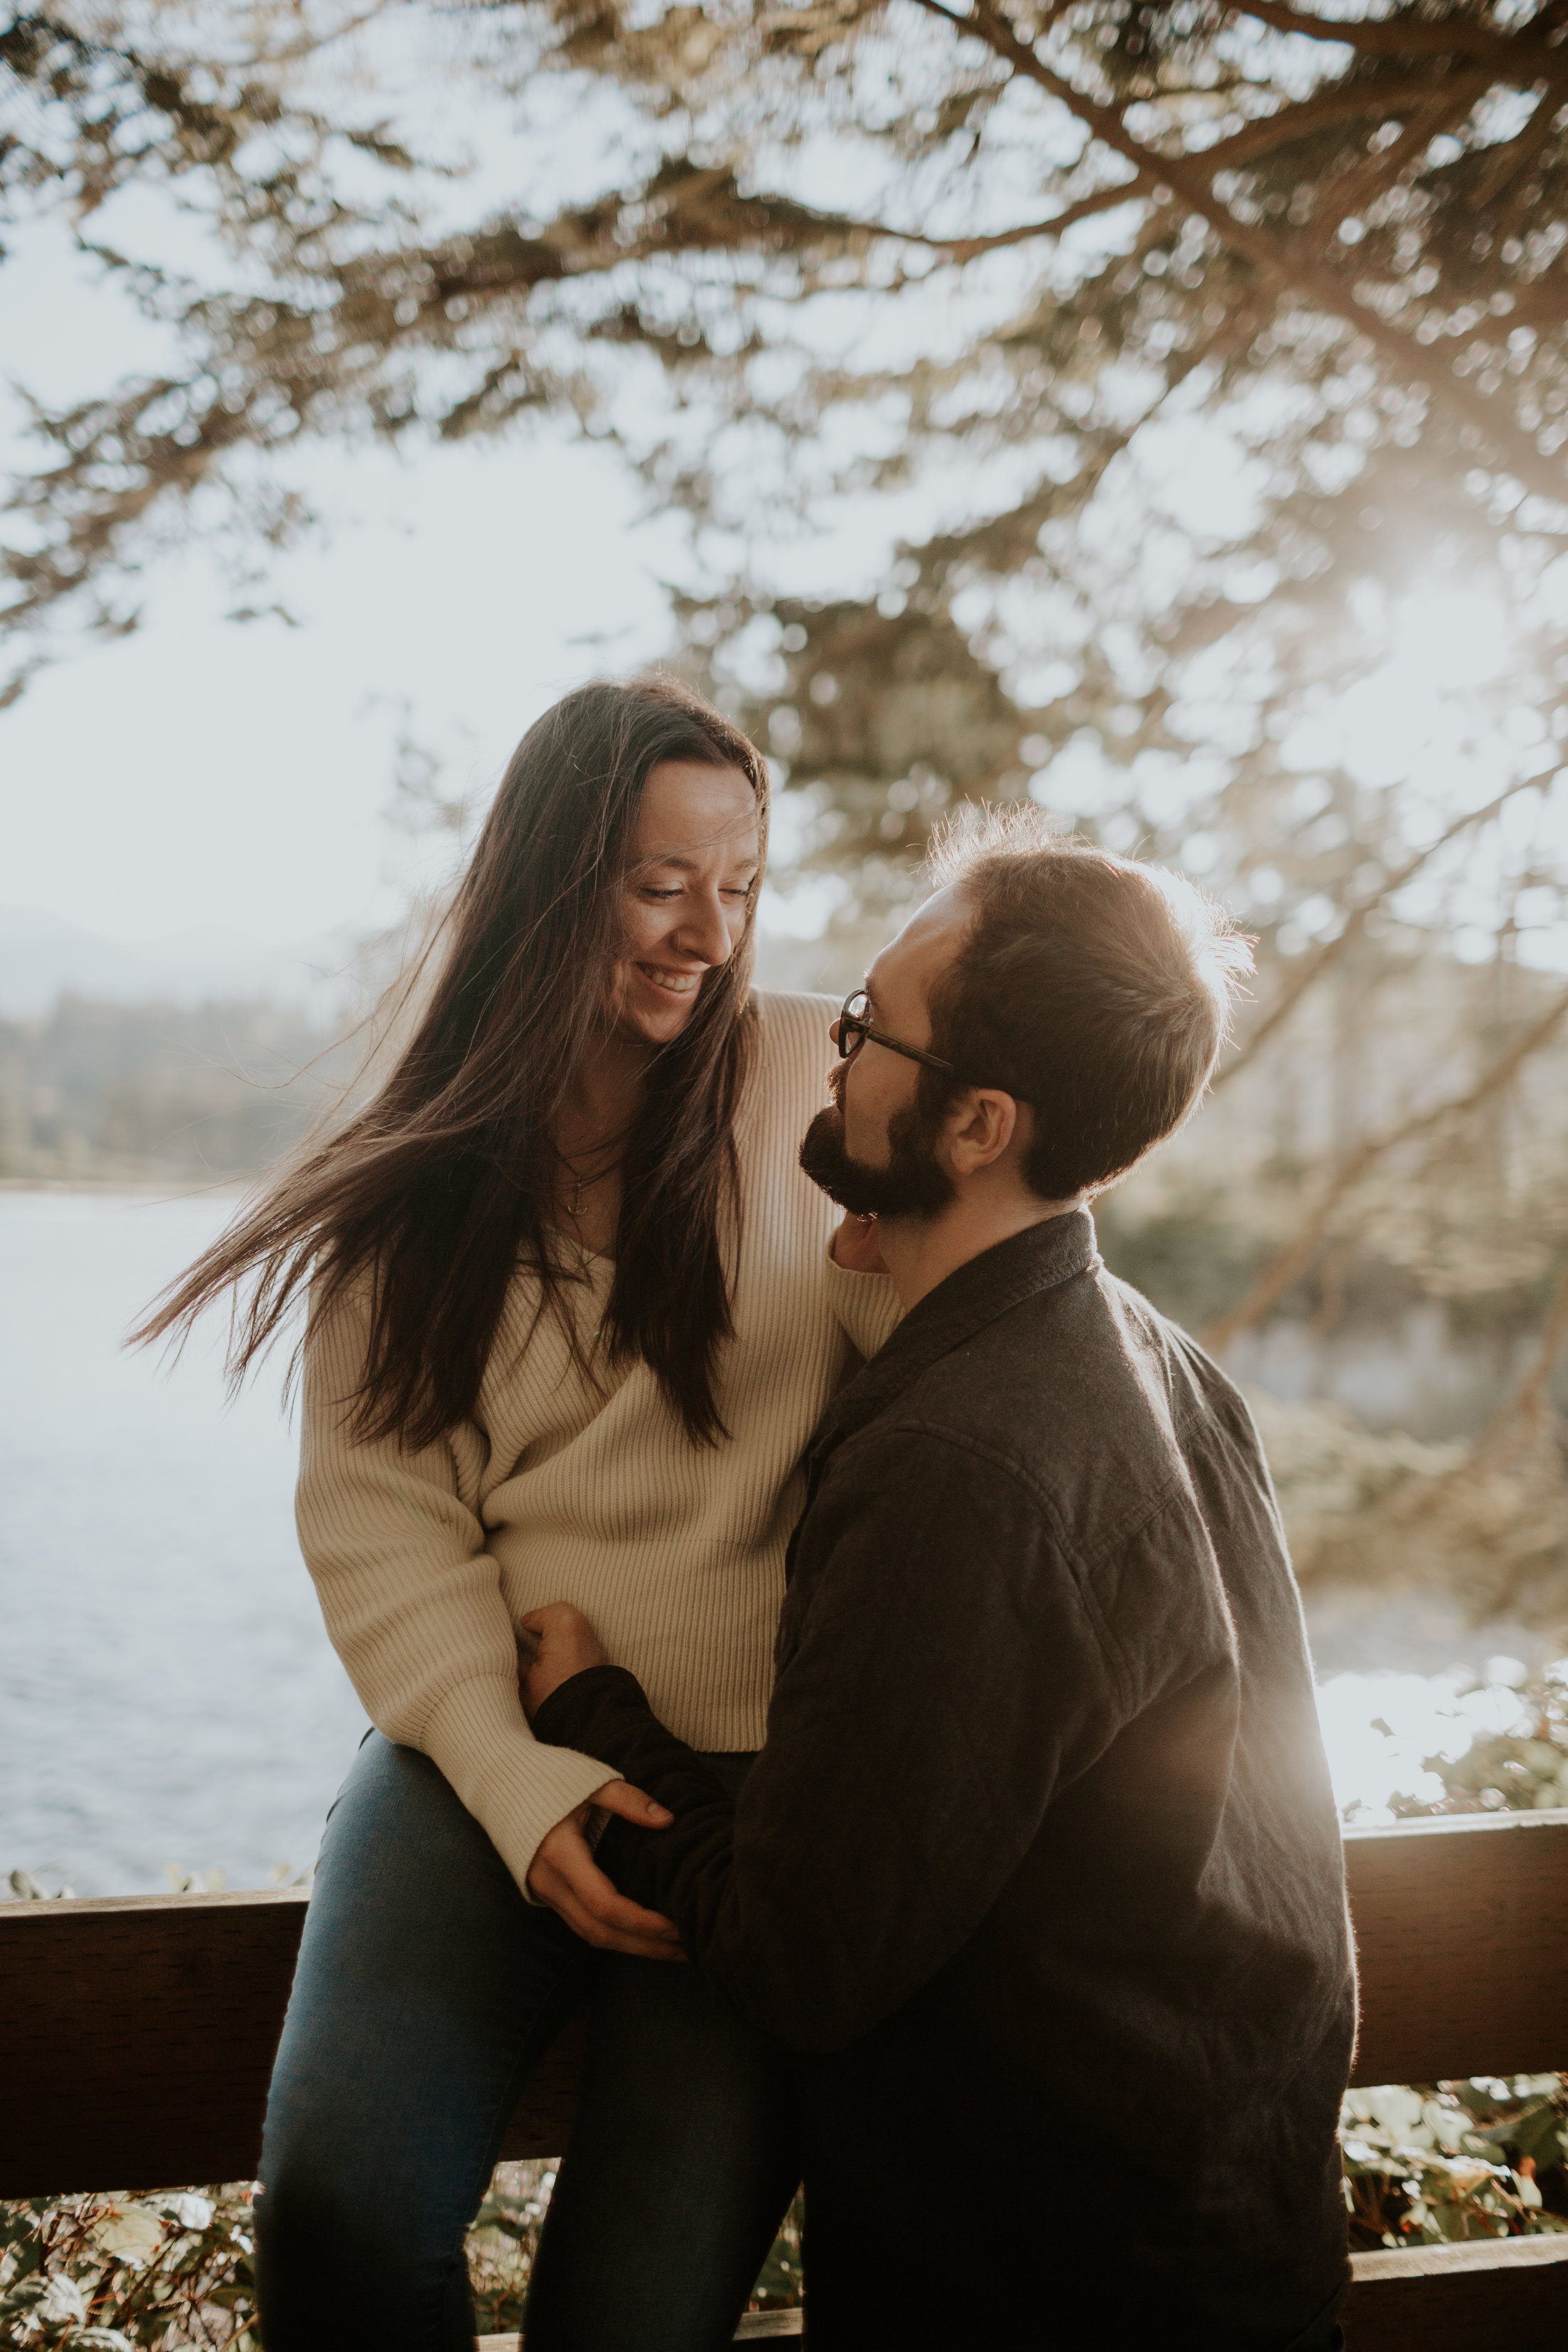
(973, 1294)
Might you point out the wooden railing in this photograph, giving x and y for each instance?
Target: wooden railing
(137, 2035)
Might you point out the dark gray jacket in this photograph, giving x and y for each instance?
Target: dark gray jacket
(1039, 1869)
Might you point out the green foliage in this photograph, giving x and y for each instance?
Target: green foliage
(502, 2244)
(1426, 2164)
(1334, 1478)
(1519, 1771)
(781, 2283)
(1002, 284)
(132, 1091)
(1191, 1257)
(504, 2240)
(1434, 2163)
(1372, 220)
(1430, 2164)
(1487, 1520)
(105, 2274)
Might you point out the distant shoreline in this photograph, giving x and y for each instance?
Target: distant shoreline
(172, 1188)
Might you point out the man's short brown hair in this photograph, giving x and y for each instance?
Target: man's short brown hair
(1095, 989)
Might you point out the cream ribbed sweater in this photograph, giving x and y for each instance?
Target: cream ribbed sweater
(558, 1490)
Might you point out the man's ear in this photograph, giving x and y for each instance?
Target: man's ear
(978, 1130)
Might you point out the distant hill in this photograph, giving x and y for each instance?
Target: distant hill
(43, 958)
(145, 1092)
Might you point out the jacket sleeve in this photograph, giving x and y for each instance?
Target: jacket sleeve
(412, 1606)
(948, 1675)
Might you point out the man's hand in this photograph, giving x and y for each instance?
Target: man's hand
(565, 1644)
(857, 1246)
(564, 1873)
(565, 1876)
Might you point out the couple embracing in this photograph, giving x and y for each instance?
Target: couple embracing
(913, 1767)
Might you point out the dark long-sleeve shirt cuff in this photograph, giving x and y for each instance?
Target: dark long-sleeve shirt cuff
(606, 1697)
(608, 1706)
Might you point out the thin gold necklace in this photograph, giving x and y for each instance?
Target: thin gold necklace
(581, 1184)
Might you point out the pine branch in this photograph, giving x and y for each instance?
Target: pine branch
(1286, 263)
(1313, 967)
(1293, 1261)
(1402, 35)
(966, 248)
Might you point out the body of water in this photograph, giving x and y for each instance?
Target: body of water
(170, 1697)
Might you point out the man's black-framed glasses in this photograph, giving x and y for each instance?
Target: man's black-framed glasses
(855, 1031)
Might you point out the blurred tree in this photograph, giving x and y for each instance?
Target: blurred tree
(1226, 341)
(1359, 219)
(137, 1092)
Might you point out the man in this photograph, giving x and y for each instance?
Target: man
(1038, 1872)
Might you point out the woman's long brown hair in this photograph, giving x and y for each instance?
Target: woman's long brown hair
(441, 1186)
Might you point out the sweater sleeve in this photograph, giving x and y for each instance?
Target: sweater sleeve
(865, 1305)
(412, 1606)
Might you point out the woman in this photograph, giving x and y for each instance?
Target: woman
(573, 1313)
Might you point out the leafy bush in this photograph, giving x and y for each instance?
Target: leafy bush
(116, 2274)
(1487, 1520)
(503, 2242)
(1427, 2164)
(1523, 1771)
(109, 2274)
(1424, 2164)
(505, 2238)
(781, 2283)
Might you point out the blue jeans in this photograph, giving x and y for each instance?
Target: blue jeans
(427, 1993)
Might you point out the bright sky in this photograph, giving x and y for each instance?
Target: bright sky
(206, 773)
(201, 774)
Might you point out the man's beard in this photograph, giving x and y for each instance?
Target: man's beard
(912, 1185)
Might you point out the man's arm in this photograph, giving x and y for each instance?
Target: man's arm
(613, 1698)
(948, 1676)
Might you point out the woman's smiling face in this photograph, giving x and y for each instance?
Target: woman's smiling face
(687, 896)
